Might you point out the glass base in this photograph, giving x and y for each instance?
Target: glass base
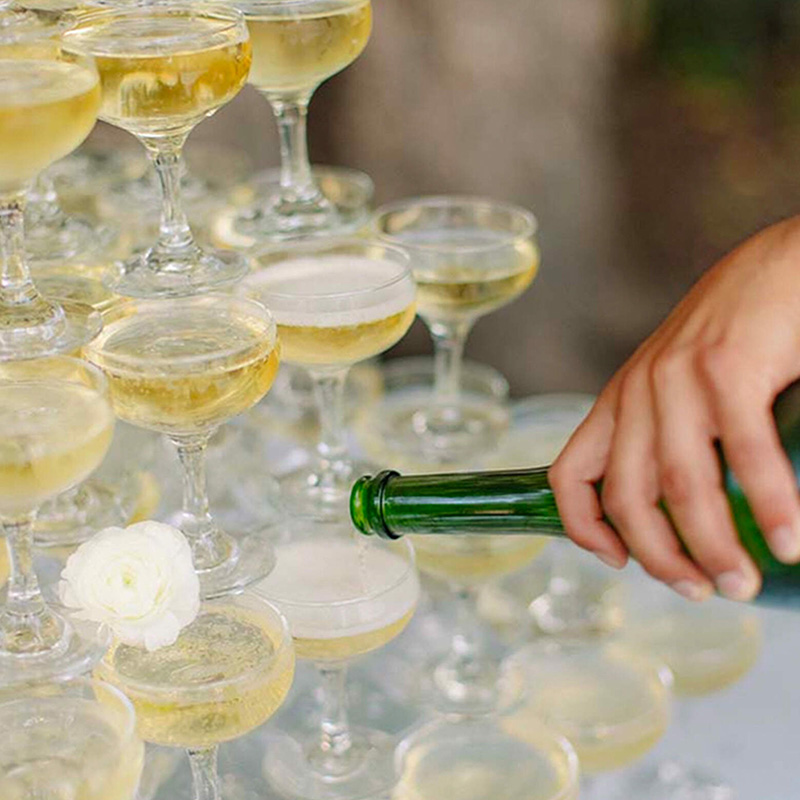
(301, 769)
(671, 780)
(250, 557)
(44, 329)
(476, 759)
(150, 275)
(484, 687)
(258, 217)
(75, 652)
(402, 429)
(78, 514)
(61, 237)
(322, 495)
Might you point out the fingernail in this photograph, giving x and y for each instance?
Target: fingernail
(742, 584)
(611, 560)
(696, 592)
(785, 544)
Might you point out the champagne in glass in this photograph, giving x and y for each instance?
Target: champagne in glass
(184, 368)
(226, 674)
(164, 67)
(342, 600)
(55, 429)
(47, 108)
(71, 739)
(297, 44)
(335, 303)
(469, 257)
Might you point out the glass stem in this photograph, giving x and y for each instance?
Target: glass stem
(449, 339)
(208, 547)
(297, 183)
(27, 624)
(175, 236)
(43, 199)
(329, 395)
(205, 777)
(335, 740)
(467, 645)
(16, 286)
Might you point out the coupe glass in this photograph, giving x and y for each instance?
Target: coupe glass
(56, 425)
(469, 257)
(343, 598)
(227, 673)
(708, 648)
(164, 67)
(612, 702)
(476, 758)
(68, 740)
(580, 598)
(183, 368)
(297, 44)
(336, 303)
(47, 108)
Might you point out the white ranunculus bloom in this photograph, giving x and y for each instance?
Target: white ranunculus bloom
(139, 581)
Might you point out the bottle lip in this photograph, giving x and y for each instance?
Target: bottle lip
(366, 504)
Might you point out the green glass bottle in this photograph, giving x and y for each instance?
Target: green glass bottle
(391, 505)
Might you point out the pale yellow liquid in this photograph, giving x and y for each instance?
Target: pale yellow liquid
(47, 108)
(472, 559)
(456, 766)
(163, 394)
(179, 691)
(296, 52)
(342, 598)
(5, 567)
(66, 747)
(343, 344)
(347, 647)
(611, 712)
(53, 434)
(706, 649)
(152, 86)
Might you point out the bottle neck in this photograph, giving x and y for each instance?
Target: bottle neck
(391, 505)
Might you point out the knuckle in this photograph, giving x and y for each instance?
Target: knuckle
(676, 483)
(716, 363)
(666, 366)
(615, 500)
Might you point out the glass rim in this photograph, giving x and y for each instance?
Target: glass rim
(283, 641)
(86, 681)
(40, 31)
(400, 257)
(530, 224)
(249, 6)
(226, 13)
(97, 375)
(116, 310)
(353, 601)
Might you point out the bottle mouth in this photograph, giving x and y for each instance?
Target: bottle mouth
(366, 505)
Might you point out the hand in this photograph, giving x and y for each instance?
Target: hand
(710, 372)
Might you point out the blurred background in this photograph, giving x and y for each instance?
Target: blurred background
(648, 136)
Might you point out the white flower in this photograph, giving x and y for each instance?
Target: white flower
(139, 581)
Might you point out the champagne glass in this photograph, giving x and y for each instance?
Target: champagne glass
(469, 257)
(164, 67)
(708, 648)
(343, 598)
(47, 108)
(297, 44)
(579, 597)
(475, 758)
(56, 425)
(612, 702)
(71, 739)
(183, 368)
(227, 673)
(336, 303)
